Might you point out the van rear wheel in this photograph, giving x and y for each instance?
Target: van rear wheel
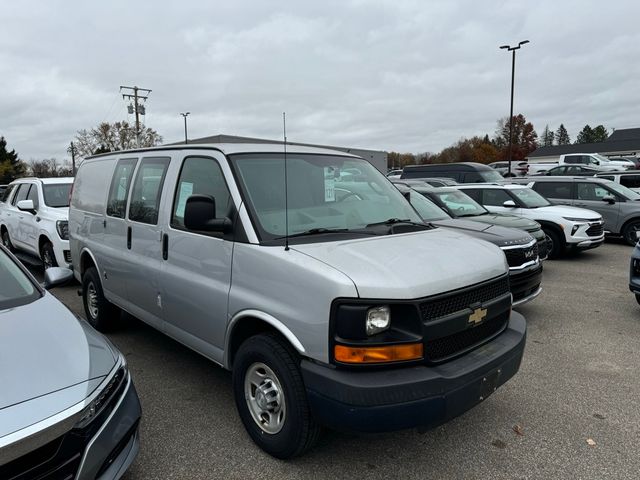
(271, 398)
(100, 313)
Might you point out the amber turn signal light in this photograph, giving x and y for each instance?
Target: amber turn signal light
(391, 353)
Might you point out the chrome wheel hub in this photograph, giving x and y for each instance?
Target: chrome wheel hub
(265, 398)
(92, 300)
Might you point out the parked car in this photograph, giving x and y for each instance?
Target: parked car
(520, 248)
(634, 160)
(34, 219)
(566, 228)
(574, 170)
(634, 272)
(593, 160)
(459, 205)
(618, 205)
(629, 179)
(68, 407)
(293, 289)
(465, 172)
(518, 168)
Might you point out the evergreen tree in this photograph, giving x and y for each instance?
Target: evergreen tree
(585, 135)
(600, 134)
(562, 136)
(546, 139)
(10, 165)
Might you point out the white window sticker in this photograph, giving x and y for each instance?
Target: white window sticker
(186, 190)
(329, 184)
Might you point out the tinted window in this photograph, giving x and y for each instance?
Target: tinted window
(33, 196)
(475, 194)
(200, 176)
(23, 191)
(573, 159)
(15, 287)
(631, 181)
(147, 188)
(119, 190)
(56, 195)
(495, 197)
(557, 170)
(608, 177)
(7, 193)
(591, 191)
(560, 190)
(473, 177)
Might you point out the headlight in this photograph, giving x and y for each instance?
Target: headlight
(102, 400)
(378, 320)
(63, 229)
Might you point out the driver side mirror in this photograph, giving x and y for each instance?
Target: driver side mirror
(56, 276)
(610, 199)
(26, 206)
(200, 215)
(509, 204)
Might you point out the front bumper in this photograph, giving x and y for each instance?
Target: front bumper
(525, 284)
(62, 253)
(587, 244)
(419, 396)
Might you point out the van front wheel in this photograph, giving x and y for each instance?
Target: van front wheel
(271, 398)
(100, 313)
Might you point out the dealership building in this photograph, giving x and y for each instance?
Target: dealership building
(621, 143)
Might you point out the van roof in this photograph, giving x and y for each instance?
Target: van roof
(460, 166)
(233, 148)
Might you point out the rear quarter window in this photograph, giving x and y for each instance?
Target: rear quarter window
(554, 189)
(91, 184)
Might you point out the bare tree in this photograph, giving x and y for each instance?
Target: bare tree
(111, 137)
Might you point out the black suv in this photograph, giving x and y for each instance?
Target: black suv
(465, 172)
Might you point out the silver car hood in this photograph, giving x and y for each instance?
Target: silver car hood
(411, 265)
(46, 349)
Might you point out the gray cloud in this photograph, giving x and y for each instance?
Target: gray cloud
(396, 75)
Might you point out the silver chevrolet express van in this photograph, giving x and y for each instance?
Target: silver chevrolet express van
(331, 307)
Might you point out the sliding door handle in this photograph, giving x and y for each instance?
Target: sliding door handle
(129, 238)
(165, 246)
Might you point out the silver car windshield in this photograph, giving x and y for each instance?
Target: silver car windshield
(460, 204)
(324, 192)
(15, 287)
(428, 210)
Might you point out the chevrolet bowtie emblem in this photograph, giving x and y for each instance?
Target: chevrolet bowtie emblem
(478, 315)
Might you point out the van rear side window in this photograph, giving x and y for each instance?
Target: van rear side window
(145, 198)
(119, 190)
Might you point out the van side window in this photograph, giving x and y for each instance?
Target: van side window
(495, 197)
(560, 190)
(119, 190)
(200, 176)
(631, 181)
(147, 190)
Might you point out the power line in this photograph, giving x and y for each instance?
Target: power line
(137, 107)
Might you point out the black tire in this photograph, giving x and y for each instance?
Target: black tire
(299, 431)
(100, 313)
(638, 298)
(629, 232)
(48, 256)
(555, 244)
(6, 241)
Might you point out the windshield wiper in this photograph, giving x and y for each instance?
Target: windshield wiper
(395, 221)
(316, 231)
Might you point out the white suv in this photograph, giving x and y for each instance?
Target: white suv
(565, 227)
(34, 216)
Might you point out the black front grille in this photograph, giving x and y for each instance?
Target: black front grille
(60, 459)
(519, 256)
(542, 249)
(456, 301)
(595, 230)
(462, 341)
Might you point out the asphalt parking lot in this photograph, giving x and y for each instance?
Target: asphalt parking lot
(578, 383)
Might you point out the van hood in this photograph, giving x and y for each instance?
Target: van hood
(45, 349)
(410, 265)
(500, 236)
(566, 211)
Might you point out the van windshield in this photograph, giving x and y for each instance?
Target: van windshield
(324, 192)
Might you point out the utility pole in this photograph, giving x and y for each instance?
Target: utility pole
(72, 149)
(185, 115)
(137, 107)
(513, 76)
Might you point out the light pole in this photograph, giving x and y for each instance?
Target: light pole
(513, 75)
(185, 115)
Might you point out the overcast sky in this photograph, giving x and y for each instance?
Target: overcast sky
(395, 75)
